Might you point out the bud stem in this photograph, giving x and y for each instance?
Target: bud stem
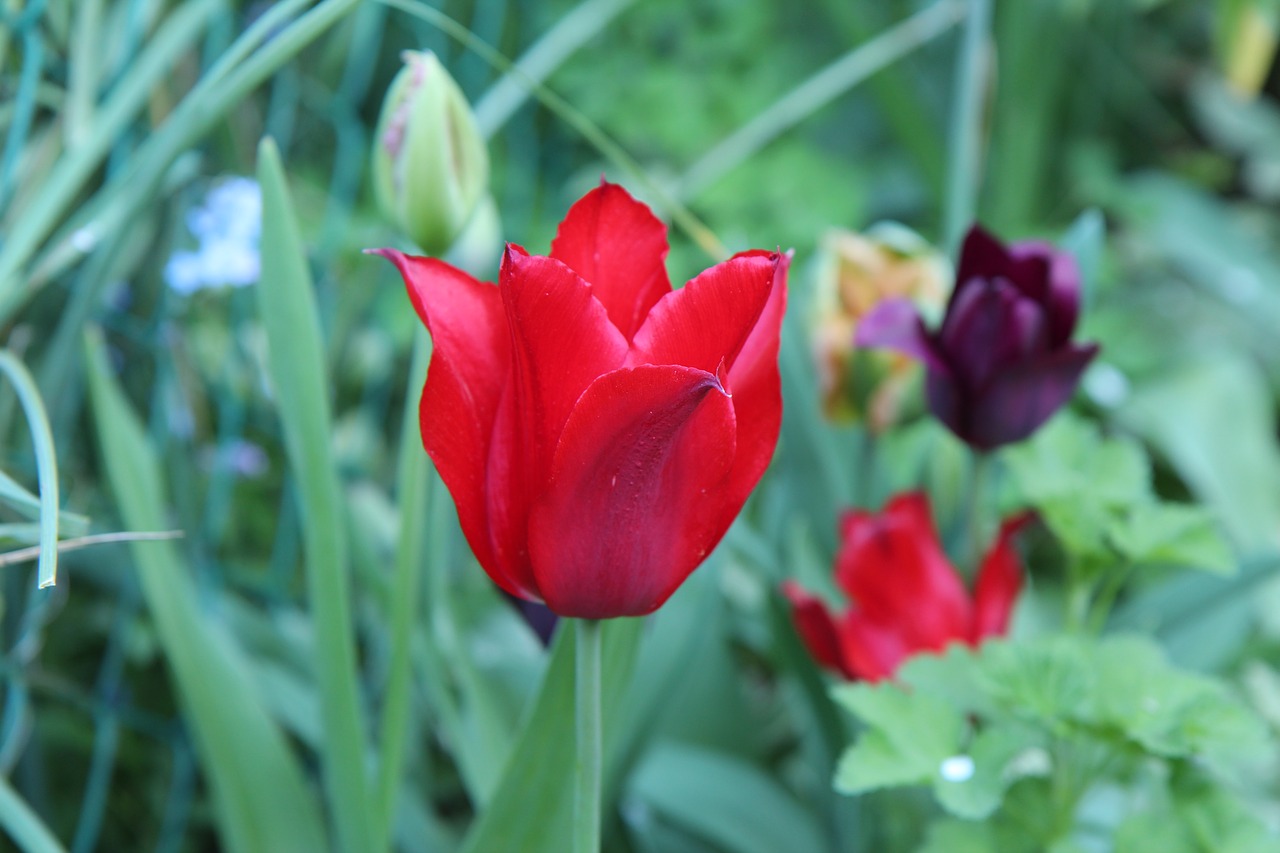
(586, 818)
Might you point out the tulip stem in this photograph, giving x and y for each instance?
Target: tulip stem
(586, 829)
(979, 475)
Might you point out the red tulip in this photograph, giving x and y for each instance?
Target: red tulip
(908, 598)
(599, 431)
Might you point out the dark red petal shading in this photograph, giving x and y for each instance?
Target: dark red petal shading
(816, 627)
(981, 256)
(1023, 396)
(986, 329)
(632, 502)
(949, 403)
(894, 569)
(510, 491)
(1062, 297)
(619, 246)
(705, 323)
(470, 363)
(896, 324)
(998, 583)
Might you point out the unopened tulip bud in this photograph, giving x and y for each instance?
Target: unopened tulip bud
(430, 165)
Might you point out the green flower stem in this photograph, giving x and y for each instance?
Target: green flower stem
(964, 157)
(586, 817)
(976, 522)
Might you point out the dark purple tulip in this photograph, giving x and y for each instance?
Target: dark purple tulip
(1003, 361)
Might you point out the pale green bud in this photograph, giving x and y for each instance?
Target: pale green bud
(430, 165)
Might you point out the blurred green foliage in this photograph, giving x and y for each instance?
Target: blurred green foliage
(1118, 108)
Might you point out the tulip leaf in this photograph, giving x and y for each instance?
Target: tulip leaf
(705, 791)
(261, 798)
(532, 807)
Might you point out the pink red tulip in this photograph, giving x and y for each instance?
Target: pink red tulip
(598, 430)
(906, 597)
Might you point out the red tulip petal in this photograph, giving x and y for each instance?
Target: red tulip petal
(470, 363)
(817, 628)
(562, 341)
(895, 570)
(874, 649)
(895, 324)
(619, 246)
(1020, 398)
(999, 582)
(633, 501)
(510, 490)
(706, 323)
(756, 387)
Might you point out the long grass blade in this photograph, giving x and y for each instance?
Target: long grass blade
(296, 358)
(23, 825)
(46, 463)
(572, 31)
(261, 799)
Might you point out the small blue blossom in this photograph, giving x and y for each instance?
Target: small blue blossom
(227, 226)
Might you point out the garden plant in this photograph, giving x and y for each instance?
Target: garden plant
(680, 426)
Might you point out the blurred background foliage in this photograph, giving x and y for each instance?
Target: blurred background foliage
(117, 119)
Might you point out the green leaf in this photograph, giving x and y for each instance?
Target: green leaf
(908, 737)
(532, 808)
(952, 676)
(262, 801)
(1046, 681)
(1199, 816)
(959, 836)
(1174, 535)
(296, 357)
(725, 800)
(28, 505)
(23, 825)
(1165, 711)
(24, 386)
(989, 762)
(1070, 457)
(1213, 419)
